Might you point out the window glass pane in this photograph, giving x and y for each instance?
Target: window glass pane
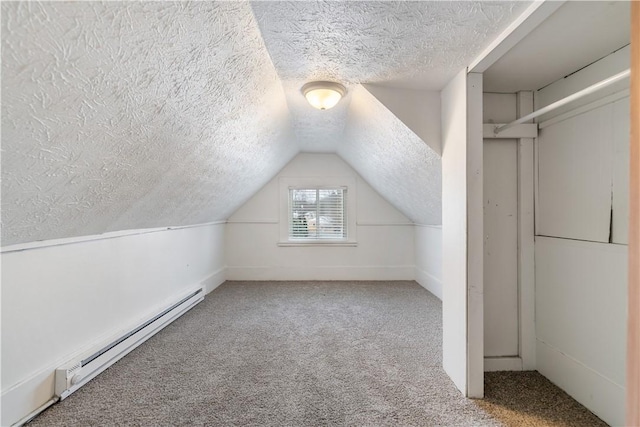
(331, 214)
(317, 213)
(303, 207)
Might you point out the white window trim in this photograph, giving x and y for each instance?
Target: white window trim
(347, 182)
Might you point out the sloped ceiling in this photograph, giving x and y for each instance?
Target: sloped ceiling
(124, 115)
(132, 115)
(393, 159)
(420, 45)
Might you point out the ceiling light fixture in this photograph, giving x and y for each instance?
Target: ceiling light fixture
(323, 95)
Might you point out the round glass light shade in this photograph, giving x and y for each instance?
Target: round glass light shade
(323, 95)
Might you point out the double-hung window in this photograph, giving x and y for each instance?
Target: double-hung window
(317, 213)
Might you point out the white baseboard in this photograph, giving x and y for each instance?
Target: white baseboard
(511, 363)
(27, 396)
(596, 392)
(429, 282)
(404, 272)
(214, 280)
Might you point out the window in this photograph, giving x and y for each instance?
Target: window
(317, 213)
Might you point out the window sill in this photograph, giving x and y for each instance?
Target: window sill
(304, 243)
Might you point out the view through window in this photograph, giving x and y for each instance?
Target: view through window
(317, 213)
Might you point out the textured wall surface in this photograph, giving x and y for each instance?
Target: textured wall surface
(125, 115)
(134, 115)
(393, 160)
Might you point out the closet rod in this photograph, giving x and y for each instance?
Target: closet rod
(568, 99)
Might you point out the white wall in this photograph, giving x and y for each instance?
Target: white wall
(428, 243)
(462, 276)
(581, 321)
(62, 300)
(509, 287)
(454, 231)
(419, 110)
(581, 278)
(500, 193)
(501, 337)
(384, 249)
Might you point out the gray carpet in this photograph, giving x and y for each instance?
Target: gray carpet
(527, 399)
(290, 354)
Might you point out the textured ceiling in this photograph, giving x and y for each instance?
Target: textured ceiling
(420, 45)
(125, 115)
(392, 159)
(133, 115)
(415, 44)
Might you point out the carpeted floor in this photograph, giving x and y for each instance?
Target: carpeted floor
(527, 399)
(306, 354)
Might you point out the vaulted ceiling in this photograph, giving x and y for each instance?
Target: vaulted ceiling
(125, 115)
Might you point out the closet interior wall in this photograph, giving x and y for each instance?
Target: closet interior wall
(581, 239)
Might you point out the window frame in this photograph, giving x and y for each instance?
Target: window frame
(344, 197)
(349, 221)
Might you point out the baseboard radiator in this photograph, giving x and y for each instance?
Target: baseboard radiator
(71, 376)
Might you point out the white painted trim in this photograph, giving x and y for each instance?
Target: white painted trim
(529, 130)
(536, 181)
(533, 16)
(110, 235)
(37, 412)
(507, 363)
(475, 239)
(454, 230)
(429, 226)
(429, 282)
(28, 396)
(383, 224)
(586, 108)
(349, 272)
(215, 279)
(255, 221)
(599, 394)
(316, 243)
(524, 104)
(603, 245)
(358, 224)
(526, 248)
